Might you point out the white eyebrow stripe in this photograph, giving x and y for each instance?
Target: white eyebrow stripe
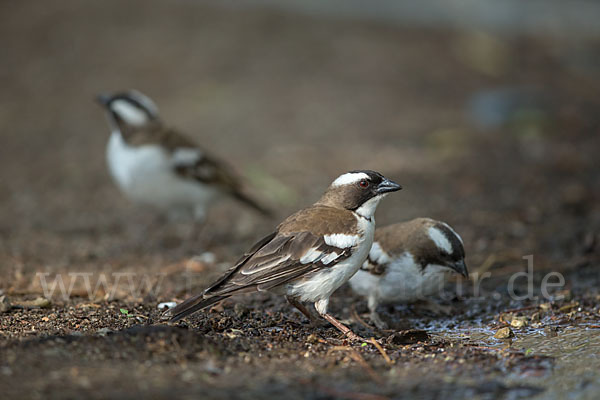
(341, 240)
(440, 240)
(453, 231)
(350, 177)
(130, 113)
(144, 101)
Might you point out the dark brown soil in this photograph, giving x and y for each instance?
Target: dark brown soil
(292, 102)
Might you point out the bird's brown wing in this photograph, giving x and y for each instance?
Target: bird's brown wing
(275, 260)
(285, 255)
(208, 170)
(299, 247)
(192, 162)
(284, 258)
(156, 133)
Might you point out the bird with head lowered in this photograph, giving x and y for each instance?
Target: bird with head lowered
(408, 261)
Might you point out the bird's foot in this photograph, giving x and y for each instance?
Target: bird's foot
(342, 328)
(353, 337)
(379, 323)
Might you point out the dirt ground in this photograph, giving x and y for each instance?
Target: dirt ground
(498, 136)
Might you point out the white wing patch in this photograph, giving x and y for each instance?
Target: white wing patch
(378, 255)
(440, 240)
(341, 240)
(329, 258)
(186, 156)
(350, 177)
(312, 255)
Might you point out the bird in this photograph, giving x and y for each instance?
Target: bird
(154, 164)
(310, 254)
(408, 261)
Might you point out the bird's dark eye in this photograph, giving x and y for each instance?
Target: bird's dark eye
(364, 183)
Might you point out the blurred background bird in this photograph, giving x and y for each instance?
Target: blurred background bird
(156, 165)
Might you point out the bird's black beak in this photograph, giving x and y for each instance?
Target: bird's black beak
(460, 267)
(387, 186)
(103, 99)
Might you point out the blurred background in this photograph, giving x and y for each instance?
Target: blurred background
(487, 112)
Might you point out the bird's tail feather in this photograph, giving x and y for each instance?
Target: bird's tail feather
(190, 306)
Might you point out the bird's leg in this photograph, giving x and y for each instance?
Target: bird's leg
(375, 318)
(321, 307)
(300, 307)
(343, 328)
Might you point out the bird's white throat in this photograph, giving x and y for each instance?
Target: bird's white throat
(367, 210)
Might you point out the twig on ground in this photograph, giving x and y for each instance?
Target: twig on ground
(359, 319)
(382, 351)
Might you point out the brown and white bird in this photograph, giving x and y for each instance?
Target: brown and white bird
(311, 253)
(408, 261)
(156, 165)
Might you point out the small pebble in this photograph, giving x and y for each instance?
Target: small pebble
(504, 333)
(167, 304)
(4, 304)
(312, 338)
(545, 307)
(518, 322)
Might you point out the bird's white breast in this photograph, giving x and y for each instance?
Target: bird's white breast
(406, 281)
(364, 283)
(146, 174)
(129, 164)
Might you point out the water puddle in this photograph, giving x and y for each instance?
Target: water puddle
(576, 351)
(574, 372)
